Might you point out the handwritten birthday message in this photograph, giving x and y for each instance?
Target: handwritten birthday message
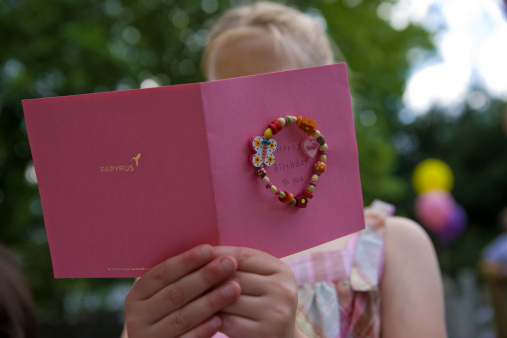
(286, 164)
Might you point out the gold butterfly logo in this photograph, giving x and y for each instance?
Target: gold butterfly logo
(136, 158)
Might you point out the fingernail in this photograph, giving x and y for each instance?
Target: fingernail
(229, 291)
(226, 264)
(205, 252)
(215, 324)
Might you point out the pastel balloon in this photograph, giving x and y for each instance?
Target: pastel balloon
(432, 174)
(434, 208)
(454, 227)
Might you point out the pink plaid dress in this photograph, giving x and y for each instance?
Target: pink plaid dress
(338, 290)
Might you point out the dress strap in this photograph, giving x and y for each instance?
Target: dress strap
(368, 261)
(321, 266)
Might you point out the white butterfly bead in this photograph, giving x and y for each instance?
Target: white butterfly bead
(262, 151)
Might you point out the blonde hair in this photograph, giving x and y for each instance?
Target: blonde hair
(294, 32)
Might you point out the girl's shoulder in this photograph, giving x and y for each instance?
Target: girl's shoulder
(403, 236)
(411, 280)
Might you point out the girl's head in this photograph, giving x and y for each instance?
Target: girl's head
(261, 38)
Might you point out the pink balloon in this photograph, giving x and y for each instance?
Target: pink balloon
(434, 209)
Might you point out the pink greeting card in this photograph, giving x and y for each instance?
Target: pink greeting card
(128, 179)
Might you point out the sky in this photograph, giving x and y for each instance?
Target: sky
(471, 57)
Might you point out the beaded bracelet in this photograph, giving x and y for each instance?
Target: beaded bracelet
(263, 148)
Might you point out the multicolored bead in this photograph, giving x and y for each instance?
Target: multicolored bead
(268, 133)
(288, 197)
(276, 126)
(320, 167)
(307, 193)
(261, 172)
(301, 201)
(309, 126)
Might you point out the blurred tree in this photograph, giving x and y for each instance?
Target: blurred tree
(376, 54)
(67, 47)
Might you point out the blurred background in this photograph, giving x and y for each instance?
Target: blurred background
(429, 82)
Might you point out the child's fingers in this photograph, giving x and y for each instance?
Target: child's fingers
(236, 326)
(251, 260)
(189, 287)
(171, 270)
(252, 284)
(190, 317)
(184, 305)
(250, 307)
(251, 316)
(205, 330)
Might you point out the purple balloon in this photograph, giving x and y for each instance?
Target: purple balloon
(454, 226)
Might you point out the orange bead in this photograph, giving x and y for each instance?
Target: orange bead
(320, 167)
(298, 121)
(288, 197)
(309, 126)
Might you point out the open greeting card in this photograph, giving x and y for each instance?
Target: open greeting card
(128, 179)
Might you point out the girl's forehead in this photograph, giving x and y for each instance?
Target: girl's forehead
(248, 53)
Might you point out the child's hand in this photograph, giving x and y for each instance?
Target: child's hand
(174, 298)
(268, 301)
